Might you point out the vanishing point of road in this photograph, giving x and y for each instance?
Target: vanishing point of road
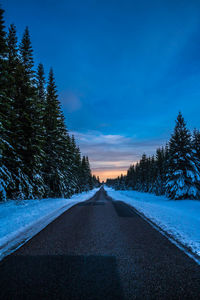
(99, 249)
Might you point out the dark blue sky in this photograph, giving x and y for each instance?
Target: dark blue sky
(123, 69)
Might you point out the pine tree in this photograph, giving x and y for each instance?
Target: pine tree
(40, 105)
(63, 149)
(89, 174)
(37, 156)
(72, 165)
(196, 154)
(96, 181)
(10, 156)
(12, 47)
(160, 172)
(56, 144)
(5, 107)
(26, 52)
(196, 143)
(27, 145)
(86, 182)
(13, 63)
(130, 178)
(76, 167)
(182, 172)
(84, 175)
(3, 35)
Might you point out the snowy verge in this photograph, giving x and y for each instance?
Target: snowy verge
(179, 219)
(21, 220)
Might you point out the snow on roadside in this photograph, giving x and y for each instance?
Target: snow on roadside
(179, 218)
(21, 220)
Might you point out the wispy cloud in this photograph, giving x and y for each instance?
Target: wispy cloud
(111, 155)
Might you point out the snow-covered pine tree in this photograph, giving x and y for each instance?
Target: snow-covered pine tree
(5, 107)
(73, 162)
(27, 145)
(84, 175)
(11, 158)
(196, 143)
(160, 172)
(56, 148)
(122, 182)
(34, 142)
(130, 177)
(143, 173)
(40, 103)
(39, 106)
(40, 85)
(75, 166)
(52, 113)
(90, 182)
(196, 153)
(182, 175)
(96, 181)
(63, 149)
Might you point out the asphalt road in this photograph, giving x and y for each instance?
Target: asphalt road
(99, 250)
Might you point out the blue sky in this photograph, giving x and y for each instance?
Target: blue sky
(124, 69)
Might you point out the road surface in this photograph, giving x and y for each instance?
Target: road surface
(99, 249)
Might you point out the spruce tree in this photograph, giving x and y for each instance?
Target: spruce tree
(77, 171)
(63, 149)
(26, 52)
(12, 48)
(84, 175)
(196, 154)
(96, 181)
(5, 107)
(196, 144)
(27, 144)
(160, 172)
(37, 156)
(89, 174)
(40, 104)
(10, 155)
(56, 144)
(13, 63)
(182, 172)
(72, 165)
(130, 177)
(40, 84)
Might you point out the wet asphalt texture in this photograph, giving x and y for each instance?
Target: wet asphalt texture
(100, 250)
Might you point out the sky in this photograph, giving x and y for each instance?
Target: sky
(124, 69)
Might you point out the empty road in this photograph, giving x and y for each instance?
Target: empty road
(99, 249)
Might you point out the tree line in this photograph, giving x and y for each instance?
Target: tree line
(38, 157)
(173, 171)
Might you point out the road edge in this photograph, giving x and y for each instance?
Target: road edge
(20, 238)
(170, 237)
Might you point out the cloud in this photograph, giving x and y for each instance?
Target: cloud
(111, 154)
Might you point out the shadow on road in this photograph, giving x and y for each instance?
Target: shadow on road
(60, 277)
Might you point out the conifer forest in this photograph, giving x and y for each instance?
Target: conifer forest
(173, 171)
(38, 157)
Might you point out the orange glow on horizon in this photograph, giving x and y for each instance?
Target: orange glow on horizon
(103, 175)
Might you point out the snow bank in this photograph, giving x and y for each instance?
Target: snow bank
(21, 220)
(179, 218)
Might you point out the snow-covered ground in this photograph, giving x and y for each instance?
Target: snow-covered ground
(179, 218)
(21, 220)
